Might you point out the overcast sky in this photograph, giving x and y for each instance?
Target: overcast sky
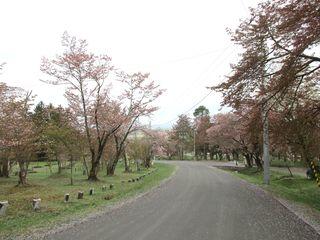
(183, 44)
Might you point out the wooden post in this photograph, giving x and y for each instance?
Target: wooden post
(66, 197)
(80, 195)
(91, 191)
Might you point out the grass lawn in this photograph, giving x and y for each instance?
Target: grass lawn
(297, 189)
(280, 163)
(51, 188)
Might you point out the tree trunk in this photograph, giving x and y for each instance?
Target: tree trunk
(305, 154)
(23, 177)
(111, 167)
(211, 154)
(228, 157)
(235, 156)
(147, 162)
(205, 152)
(49, 165)
(138, 166)
(93, 175)
(4, 172)
(258, 162)
(196, 153)
(248, 158)
(23, 171)
(181, 153)
(126, 165)
(85, 165)
(71, 172)
(94, 171)
(59, 163)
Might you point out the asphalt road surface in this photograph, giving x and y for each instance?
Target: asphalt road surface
(199, 202)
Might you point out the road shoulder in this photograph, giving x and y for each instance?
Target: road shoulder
(307, 214)
(71, 223)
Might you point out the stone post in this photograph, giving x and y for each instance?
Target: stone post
(66, 197)
(80, 195)
(36, 204)
(3, 207)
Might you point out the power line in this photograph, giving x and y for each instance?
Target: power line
(197, 82)
(197, 55)
(245, 7)
(222, 57)
(187, 111)
(200, 78)
(182, 58)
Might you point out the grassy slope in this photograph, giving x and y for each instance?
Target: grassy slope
(279, 163)
(51, 189)
(297, 189)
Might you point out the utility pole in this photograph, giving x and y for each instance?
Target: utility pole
(194, 143)
(265, 119)
(266, 155)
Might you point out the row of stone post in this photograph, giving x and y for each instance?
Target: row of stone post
(36, 202)
(139, 178)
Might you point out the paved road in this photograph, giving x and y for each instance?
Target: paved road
(199, 202)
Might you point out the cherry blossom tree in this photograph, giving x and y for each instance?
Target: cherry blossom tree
(84, 75)
(279, 57)
(295, 124)
(98, 113)
(5, 96)
(17, 131)
(279, 43)
(138, 97)
(164, 146)
(222, 133)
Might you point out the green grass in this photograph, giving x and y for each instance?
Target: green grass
(298, 189)
(280, 163)
(20, 217)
